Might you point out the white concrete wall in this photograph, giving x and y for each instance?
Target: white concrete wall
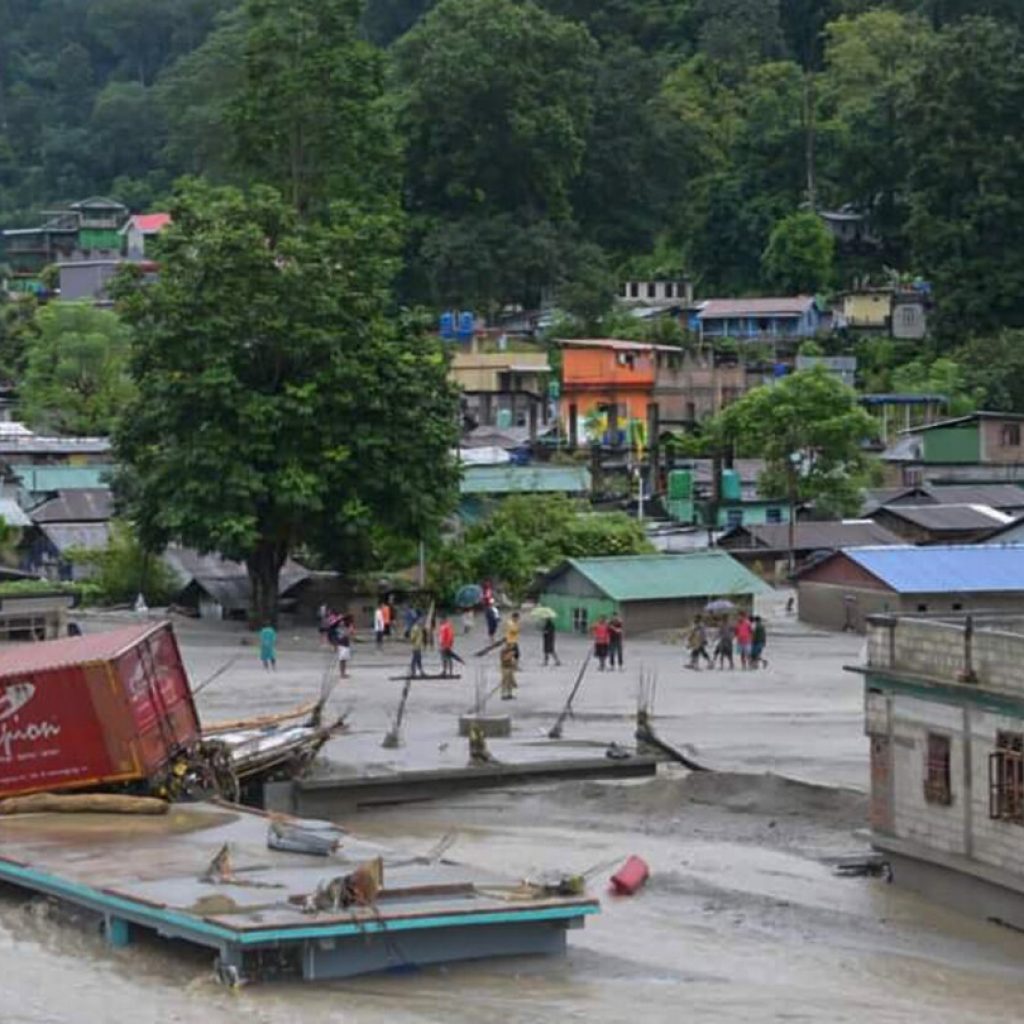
(935, 650)
(964, 826)
(937, 826)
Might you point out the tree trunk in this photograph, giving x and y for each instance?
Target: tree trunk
(264, 567)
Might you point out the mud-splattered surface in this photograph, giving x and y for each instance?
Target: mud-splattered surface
(743, 919)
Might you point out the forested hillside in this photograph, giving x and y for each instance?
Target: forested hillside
(559, 142)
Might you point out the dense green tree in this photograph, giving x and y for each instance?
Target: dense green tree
(629, 178)
(964, 124)
(276, 404)
(870, 61)
(525, 534)
(196, 95)
(495, 106)
(310, 118)
(799, 255)
(76, 377)
(992, 370)
(810, 431)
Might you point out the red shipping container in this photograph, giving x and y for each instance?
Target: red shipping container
(94, 710)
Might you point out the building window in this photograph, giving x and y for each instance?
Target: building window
(773, 515)
(1006, 778)
(1010, 436)
(652, 290)
(922, 608)
(634, 289)
(579, 620)
(936, 770)
(670, 289)
(733, 517)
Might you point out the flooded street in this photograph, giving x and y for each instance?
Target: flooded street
(743, 918)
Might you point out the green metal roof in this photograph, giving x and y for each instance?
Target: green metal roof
(36, 479)
(666, 577)
(510, 479)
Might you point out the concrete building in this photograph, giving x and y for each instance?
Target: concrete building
(658, 292)
(649, 591)
(503, 388)
(841, 591)
(944, 713)
(607, 387)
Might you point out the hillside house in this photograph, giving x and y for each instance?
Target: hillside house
(771, 319)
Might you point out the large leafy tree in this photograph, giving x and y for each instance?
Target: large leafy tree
(277, 406)
(76, 377)
(964, 123)
(810, 431)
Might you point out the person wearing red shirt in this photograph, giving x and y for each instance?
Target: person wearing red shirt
(601, 635)
(446, 642)
(744, 639)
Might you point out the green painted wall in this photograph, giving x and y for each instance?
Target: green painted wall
(755, 513)
(98, 238)
(564, 604)
(953, 444)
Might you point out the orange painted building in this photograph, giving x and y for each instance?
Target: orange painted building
(606, 384)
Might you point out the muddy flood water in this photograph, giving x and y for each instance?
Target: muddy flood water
(743, 920)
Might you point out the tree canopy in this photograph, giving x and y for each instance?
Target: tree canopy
(76, 378)
(277, 406)
(811, 433)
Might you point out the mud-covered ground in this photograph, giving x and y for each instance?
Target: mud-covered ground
(743, 918)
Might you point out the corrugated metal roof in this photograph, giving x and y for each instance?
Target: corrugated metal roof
(13, 514)
(666, 577)
(714, 309)
(24, 658)
(618, 345)
(948, 517)
(996, 496)
(959, 421)
(524, 479)
(819, 536)
(944, 568)
(87, 536)
(88, 505)
(39, 479)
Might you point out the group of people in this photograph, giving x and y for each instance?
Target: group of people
(747, 636)
(608, 636)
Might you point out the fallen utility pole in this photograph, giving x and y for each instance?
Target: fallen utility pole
(555, 732)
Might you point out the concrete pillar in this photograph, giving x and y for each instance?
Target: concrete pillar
(533, 421)
(117, 932)
(573, 426)
(653, 447)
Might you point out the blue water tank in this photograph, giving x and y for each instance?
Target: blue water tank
(448, 325)
(466, 325)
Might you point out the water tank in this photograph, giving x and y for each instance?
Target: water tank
(504, 419)
(731, 487)
(680, 484)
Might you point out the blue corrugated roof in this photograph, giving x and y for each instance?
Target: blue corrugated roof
(938, 569)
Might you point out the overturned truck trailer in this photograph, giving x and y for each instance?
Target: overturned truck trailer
(108, 710)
